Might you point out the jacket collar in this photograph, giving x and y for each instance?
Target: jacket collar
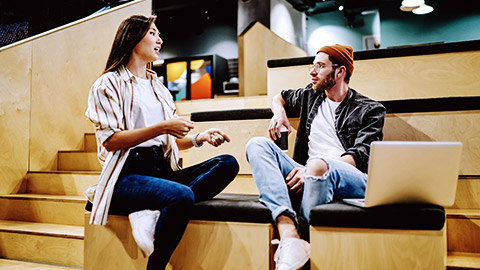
(126, 75)
(349, 96)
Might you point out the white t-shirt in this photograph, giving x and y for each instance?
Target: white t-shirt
(323, 139)
(150, 111)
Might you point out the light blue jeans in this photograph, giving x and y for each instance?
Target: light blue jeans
(270, 165)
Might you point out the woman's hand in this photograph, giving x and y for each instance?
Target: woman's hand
(178, 127)
(213, 136)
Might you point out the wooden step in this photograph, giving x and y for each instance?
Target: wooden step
(71, 183)
(56, 209)
(78, 161)
(463, 260)
(90, 142)
(8, 264)
(242, 184)
(240, 133)
(41, 242)
(185, 108)
(468, 193)
(463, 230)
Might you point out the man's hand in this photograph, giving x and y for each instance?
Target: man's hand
(295, 180)
(278, 120)
(213, 136)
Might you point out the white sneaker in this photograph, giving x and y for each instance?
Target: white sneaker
(143, 229)
(89, 193)
(291, 254)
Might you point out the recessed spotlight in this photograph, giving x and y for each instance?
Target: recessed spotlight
(408, 9)
(423, 9)
(412, 3)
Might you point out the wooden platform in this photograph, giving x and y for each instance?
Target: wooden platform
(365, 249)
(205, 245)
(42, 242)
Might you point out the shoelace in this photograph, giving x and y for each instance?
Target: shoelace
(276, 256)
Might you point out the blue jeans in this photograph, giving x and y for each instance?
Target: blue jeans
(148, 182)
(270, 165)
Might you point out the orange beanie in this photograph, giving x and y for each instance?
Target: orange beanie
(343, 55)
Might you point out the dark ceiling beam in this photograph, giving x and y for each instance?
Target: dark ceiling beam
(302, 5)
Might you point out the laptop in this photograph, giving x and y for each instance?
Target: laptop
(411, 172)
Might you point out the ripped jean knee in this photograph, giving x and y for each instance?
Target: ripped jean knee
(317, 171)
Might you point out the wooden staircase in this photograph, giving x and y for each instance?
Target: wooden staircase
(463, 225)
(44, 227)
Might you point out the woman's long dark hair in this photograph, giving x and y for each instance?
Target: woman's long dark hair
(130, 32)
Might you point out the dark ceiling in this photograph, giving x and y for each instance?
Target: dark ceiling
(179, 14)
(319, 6)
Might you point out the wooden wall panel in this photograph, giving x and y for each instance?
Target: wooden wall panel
(240, 132)
(365, 249)
(15, 73)
(255, 47)
(444, 126)
(111, 246)
(186, 107)
(224, 245)
(65, 65)
(286, 78)
(419, 76)
(204, 245)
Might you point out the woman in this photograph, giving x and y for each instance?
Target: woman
(139, 134)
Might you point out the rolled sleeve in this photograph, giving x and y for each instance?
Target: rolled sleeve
(293, 100)
(371, 130)
(104, 110)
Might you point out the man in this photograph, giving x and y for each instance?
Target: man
(337, 125)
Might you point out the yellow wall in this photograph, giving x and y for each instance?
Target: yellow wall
(44, 83)
(255, 47)
(15, 86)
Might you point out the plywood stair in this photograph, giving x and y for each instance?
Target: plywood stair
(463, 225)
(43, 227)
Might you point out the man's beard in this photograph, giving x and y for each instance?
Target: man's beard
(327, 83)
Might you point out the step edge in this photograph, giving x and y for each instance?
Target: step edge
(459, 256)
(34, 263)
(65, 172)
(463, 213)
(45, 197)
(10, 226)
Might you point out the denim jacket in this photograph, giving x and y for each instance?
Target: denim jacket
(358, 120)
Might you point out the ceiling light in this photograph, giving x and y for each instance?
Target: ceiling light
(412, 3)
(408, 9)
(423, 9)
(340, 8)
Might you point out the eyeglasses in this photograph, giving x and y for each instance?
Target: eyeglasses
(319, 67)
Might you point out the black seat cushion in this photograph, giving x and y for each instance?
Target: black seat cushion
(233, 207)
(229, 207)
(230, 115)
(398, 216)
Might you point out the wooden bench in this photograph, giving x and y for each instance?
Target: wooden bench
(383, 237)
(231, 231)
